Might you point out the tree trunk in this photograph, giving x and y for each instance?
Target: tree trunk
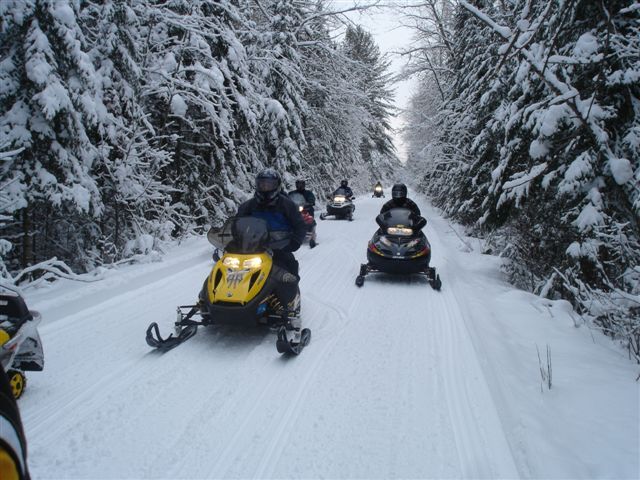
(27, 244)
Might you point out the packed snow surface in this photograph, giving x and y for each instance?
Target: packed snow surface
(399, 381)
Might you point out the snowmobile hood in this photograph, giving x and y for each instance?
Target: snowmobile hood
(238, 278)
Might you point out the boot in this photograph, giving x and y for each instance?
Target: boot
(292, 321)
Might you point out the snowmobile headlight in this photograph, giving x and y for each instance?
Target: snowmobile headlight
(300, 208)
(405, 232)
(254, 262)
(339, 198)
(378, 189)
(232, 262)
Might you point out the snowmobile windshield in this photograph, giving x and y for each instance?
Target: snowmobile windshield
(399, 221)
(241, 234)
(341, 192)
(298, 199)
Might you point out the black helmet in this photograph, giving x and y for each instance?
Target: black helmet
(399, 191)
(267, 185)
(344, 184)
(300, 185)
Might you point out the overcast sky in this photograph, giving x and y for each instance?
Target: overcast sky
(385, 25)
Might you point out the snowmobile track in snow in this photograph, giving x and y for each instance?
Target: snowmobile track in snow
(281, 422)
(399, 381)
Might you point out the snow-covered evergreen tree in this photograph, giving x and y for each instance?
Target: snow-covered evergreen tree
(335, 112)
(371, 77)
(50, 111)
(196, 94)
(276, 62)
(543, 123)
(126, 122)
(135, 200)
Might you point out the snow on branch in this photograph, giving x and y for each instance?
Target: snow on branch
(50, 270)
(584, 110)
(504, 32)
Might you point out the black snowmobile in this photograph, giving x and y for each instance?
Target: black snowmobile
(377, 191)
(20, 345)
(399, 247)
(240, 290)
(340, 206)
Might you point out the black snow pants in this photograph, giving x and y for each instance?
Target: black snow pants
(286, 291)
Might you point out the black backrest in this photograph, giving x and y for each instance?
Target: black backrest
(13, 306)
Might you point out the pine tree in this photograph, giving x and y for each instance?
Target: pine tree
(372, 78)
(547, 149)
(50, 112)
(198, 93)
(131, 158)
(277, 65)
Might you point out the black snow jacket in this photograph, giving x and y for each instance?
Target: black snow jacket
(407, 203)
(309, 197)
(346, 191)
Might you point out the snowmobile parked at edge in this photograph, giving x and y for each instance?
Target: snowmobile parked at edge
(399, 247)
(377, 191)
(20, 345)
(340, 205)
(240, 290)
(309, 221)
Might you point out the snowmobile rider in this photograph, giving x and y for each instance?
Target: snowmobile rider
(309, 198)
(281, 214)
(344, 186)
(13, 444)
(399, 200)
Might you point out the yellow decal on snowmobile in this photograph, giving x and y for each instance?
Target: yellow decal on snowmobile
(238, 278)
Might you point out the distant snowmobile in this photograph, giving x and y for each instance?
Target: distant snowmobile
(377, 191)
(240, 290)
(399, 247)
(20, 345)
(340, 206)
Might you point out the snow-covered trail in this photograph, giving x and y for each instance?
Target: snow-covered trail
(392, 385)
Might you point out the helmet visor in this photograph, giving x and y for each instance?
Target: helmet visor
(266, 185)
(398, 193)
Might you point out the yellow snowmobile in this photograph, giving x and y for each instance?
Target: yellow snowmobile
(20, 345)
(240, 290)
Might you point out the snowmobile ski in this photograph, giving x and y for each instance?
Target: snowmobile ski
(185, 329)
(165, 344)
(286, 346)
(434, 280)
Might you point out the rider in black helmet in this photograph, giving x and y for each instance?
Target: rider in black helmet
(309, 197)
(346, 190)
(281, 214)
(399, 200)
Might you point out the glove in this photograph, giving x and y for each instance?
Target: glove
(292, 247)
